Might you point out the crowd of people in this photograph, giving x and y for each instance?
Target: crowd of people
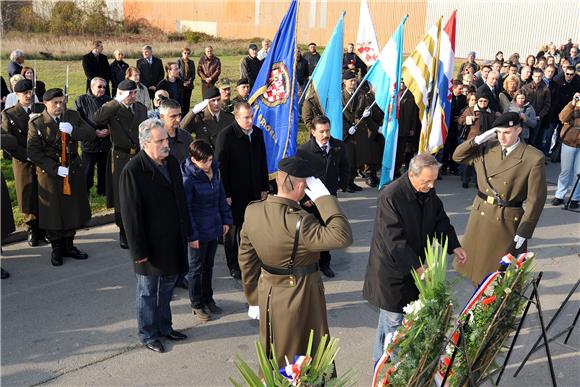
(183, 179)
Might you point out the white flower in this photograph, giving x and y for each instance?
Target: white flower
(413, 307)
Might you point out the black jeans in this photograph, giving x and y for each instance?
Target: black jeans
(231, 244)
(90, 160)
(200, 274)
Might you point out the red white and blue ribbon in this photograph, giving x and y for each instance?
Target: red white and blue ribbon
(292, 371)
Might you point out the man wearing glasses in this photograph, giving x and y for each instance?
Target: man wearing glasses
(95, 151)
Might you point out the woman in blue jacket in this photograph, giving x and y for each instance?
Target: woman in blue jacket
(210, 218)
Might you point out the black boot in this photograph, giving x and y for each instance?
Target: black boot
(32, 232)
(123, 239)
(71, 251)
(5, 274)
(56, 255)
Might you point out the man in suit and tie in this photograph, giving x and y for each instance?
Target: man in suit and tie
(509, 173)
(96, 64)
(490, 90)
(151, 69)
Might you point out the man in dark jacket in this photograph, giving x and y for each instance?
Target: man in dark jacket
(151, 69)
(118, 70)
(250, 65)
(327, 159)
(351, 61)
(241, 153)
(155, 216)
(490, 90)
(311, 57)
(95, 152)
(538, 94)
(408, 212)
(96, 64)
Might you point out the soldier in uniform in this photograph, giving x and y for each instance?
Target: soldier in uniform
(376, 140)
(225, 87)
(207, 123)
(284, 266)
(354, 129)
(15, 124)
(52, 146)
(509, 173)
(243, 89)
(122, 116)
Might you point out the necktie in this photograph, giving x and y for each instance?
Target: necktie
(28, 111)
(215, 118)
(325, 148)
(57, 120)
(503, 153)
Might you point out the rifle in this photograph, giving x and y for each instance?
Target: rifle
(34, 86)
(64, 160)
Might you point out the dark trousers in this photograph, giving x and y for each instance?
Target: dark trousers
(153, 310)
(324, 259)
(55, 235)
(200, 274)
(90, 161)
(448, 149)
(231, 244)
(186, 101)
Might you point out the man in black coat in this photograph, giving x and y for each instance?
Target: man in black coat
(241, 153)
(409, 129)
(151, 69)
(157, 224)
(408, 212)
(96, 64)
(490, 90)
(327, 158)
(250, 65)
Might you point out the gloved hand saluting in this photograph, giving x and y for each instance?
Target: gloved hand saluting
(485, 136)
(316, 188)
(122, 95)
(200, 106)
(65, 127)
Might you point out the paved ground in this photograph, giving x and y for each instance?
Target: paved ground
(75, 325)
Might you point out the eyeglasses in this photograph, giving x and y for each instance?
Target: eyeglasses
(569, 74)
(186, 53)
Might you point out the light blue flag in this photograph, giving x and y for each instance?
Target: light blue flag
(274, 95)
(327, 79)
(385, 76)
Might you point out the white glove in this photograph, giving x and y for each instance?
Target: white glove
(62, 171)
(65, 127)
(316, 188)
(485, 136)
(200, 106)
(254, 312)
(121, 95)
(519, 241)
(352, 130)
(366, 113)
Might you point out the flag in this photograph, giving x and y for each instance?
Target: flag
(326, 79)
(385, 76)
(442, 113)
(419, 71)
(274, 95)
(367, 47)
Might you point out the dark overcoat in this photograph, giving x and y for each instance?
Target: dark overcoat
(57, 211)
(155, 216)
(243, 167)
(357, 144)
(402, 226)
(7, 226)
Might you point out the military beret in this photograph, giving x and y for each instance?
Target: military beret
(23, 85)
(480, 94)
(295, 166)
(507, 120)
(253, 46)
(52, 93)
(243, 81)
(223, 83)
(211, 92)
(348, 75)
(127, 85)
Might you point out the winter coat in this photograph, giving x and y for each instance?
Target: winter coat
(531, 120)
(87, 105)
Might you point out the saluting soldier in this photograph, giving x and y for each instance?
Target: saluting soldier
(62, 192)
(354, 129)
(122, 116)
(208, 122)
(509, 173)
(280, 273)
(15, 124)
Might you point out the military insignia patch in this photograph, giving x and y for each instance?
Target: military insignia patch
(278, 86)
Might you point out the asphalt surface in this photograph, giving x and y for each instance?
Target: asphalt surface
(75, 325)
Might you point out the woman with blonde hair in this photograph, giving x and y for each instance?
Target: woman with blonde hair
(134, 75)
(510, 85)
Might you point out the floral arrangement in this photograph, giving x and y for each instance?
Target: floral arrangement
(413, 351)
(487, 319)
(304, 371)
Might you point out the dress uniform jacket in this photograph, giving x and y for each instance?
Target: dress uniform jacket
(7, 225)
(289, 306)
(357, 145)
(490, 232)
(124, 133)
(15, 124)
(58, 211)
(205, 126)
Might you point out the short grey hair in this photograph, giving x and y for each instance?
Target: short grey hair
(116, 52)
(495, 73)
(97, 79)
(145, 128)
(16, 54)
(146, 48)
(166, 105)
(421, 161)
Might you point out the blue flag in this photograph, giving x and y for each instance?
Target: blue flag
(385, 76)
(273, 96)
(327, 79)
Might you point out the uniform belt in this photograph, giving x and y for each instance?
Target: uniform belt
(298, 271)
(130, 151)
(497, 201)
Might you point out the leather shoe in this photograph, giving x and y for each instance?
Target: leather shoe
(32, 238)
(350, 189)
(155, 346)
(356, 187)
(465, 185)
(123, 240)
(557, 201)
(370, 182)
(236, 274)
(56, 258)
(327, 271)
(201, 314)
(573, 204)
(175, 336)
(75, 253)
(214, 309)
